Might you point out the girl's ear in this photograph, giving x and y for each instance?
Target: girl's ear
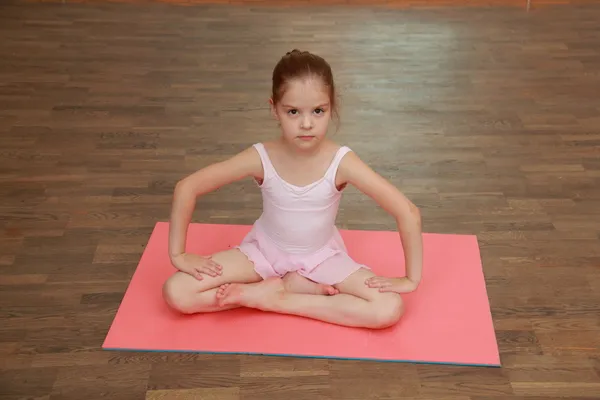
(273, 110)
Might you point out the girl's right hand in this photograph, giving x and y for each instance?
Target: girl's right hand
(197, 265)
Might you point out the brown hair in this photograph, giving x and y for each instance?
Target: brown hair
(298, 64)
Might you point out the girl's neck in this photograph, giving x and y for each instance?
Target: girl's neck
(299, 154)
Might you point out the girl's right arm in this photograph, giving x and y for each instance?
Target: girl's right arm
(244, 164)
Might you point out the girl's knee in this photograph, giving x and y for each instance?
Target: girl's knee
(388, 309)
(176, 292)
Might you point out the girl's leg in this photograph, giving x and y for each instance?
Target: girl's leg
(294, 282)
(357, 305)
(188, 295)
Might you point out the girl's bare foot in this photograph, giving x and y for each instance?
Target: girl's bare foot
(296, 283)
(254, 295)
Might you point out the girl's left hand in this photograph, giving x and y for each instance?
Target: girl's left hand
(398, 285)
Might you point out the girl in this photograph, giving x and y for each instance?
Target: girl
(293, 260)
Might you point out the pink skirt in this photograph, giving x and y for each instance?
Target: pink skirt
(330, 265)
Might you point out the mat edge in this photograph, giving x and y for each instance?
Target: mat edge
(403, 361)
(158, 224)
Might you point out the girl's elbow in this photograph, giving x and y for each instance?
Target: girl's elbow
(408, 214)
(416, 214)
(411, 213)
(414, 210)
(180, 187)
(184, 189)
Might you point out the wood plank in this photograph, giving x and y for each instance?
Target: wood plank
(485, 116)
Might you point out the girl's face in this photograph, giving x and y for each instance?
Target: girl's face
(304, 113)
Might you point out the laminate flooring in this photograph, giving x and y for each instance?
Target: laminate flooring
(486, 117)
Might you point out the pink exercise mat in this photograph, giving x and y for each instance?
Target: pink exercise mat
(447, 320)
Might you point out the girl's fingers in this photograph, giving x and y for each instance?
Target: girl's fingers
(212, 271)
(211, 262)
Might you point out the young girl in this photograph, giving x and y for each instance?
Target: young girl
(293, 260)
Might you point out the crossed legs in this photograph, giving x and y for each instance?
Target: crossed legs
(349, 303)
(356, 305)
(188, 295)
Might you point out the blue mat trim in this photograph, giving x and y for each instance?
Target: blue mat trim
(304, 356)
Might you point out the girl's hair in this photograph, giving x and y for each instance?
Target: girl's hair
(298, 64)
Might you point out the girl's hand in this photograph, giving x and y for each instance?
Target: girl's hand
(398, 285)
(196, 265)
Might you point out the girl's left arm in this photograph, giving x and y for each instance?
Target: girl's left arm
(354, 171)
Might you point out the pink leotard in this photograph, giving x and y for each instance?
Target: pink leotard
(296, 231)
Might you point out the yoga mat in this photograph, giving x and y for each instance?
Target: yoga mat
(447, 320)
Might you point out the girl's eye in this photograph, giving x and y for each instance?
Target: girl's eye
(293, 112)
(319, 111)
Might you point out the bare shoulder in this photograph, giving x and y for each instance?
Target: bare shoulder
(246, 163)
(273, 148)
(352, 170)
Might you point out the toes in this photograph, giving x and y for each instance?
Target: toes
(330, 290)
(323, 289)
(222, 290)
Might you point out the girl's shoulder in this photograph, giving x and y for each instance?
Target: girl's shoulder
(273, 149)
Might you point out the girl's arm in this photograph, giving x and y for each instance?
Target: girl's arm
(408, 218)
(244, 164)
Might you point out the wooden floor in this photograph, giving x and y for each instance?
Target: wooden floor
(527, 4)
(487, 118)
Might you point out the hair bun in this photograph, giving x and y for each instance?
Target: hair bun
(295, 51)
